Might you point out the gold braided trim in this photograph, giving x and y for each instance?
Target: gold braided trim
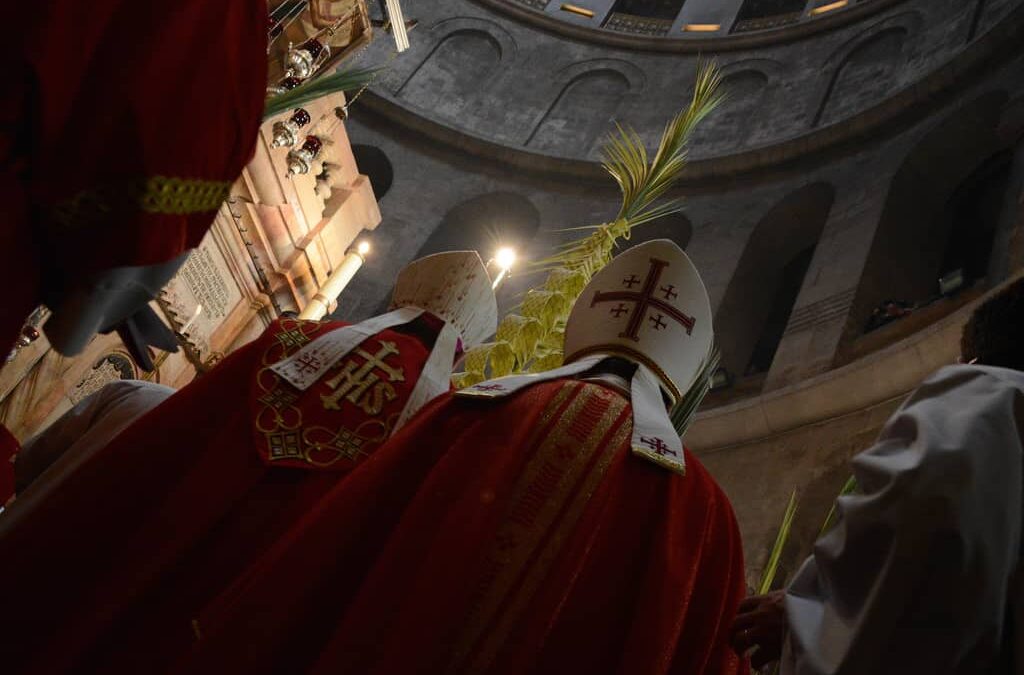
(182, 196)
(633, 355)
(154, 194)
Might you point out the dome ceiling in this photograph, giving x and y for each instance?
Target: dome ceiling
(684, 19)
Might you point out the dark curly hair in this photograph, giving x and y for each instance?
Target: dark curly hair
(994, 335)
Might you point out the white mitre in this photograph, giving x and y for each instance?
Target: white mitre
(453, 286)
(649, 306)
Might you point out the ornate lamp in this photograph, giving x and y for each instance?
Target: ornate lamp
(286, 132)
(301, 160)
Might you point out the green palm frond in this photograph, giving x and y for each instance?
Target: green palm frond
(848, 487)
(685, 410)
(625, 157)
(344, 80)
(772, 568)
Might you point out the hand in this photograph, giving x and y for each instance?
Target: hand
(759, 628)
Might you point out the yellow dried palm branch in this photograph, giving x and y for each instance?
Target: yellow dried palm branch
(530, 339)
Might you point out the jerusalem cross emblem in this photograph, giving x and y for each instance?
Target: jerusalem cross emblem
(361, 383)
(658, 446)
(645, 300)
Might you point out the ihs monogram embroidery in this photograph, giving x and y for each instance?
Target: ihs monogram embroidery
(359, 381)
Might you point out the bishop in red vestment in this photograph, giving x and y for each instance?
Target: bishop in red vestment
(543, 524)
(114, 559)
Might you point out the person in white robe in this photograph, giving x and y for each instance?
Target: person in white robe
(91, 424)
(921, 573)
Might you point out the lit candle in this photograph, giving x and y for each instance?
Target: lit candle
(336, 283)
(503, 260)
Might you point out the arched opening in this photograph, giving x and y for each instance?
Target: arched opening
(453, 72)
(760, 297)
(865, 76)
(730, 126)
(484, 224)
(375, 165)
(971, 218)
(941, 215)
(790, 282)
(582, 111)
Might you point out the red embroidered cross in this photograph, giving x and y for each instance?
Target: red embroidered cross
(620, 310)
(658, 446)
(307, 364)
(631, 281)
(657, 321)
(642, 300)
(669, 291)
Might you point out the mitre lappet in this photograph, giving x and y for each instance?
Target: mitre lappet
(454, 287)
(648, 306)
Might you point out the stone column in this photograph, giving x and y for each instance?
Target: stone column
(820, 314)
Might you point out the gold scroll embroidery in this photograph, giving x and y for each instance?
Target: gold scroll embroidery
(153, 194)
(363, 381)
(548, 500)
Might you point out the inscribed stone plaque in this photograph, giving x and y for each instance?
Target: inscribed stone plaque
(202, 295)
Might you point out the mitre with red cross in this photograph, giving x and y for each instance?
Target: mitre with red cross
(649, 306)
(453, 286)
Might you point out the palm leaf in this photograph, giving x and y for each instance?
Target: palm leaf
(685, 410)
(772, 568)
(344, 80)
(848, 487)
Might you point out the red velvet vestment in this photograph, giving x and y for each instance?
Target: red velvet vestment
(519, 536)
(109, 566)
(122, 125)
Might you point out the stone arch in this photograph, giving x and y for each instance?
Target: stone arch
(866, 68)
(589, 94)
(734, 122)
(375, 165)
(752, 318)
(910, 243)
(484, 223)
(461, 64)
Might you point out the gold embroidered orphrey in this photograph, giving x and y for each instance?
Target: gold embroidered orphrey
(364, 379)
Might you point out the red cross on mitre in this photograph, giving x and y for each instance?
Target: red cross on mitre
(643, 300)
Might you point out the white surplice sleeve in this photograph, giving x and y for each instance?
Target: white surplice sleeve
(915, 576)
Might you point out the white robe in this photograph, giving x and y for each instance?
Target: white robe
(90, 425)
(919, 574)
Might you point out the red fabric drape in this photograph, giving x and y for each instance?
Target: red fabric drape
(116, 559)
(511, 537)
(103, 96)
